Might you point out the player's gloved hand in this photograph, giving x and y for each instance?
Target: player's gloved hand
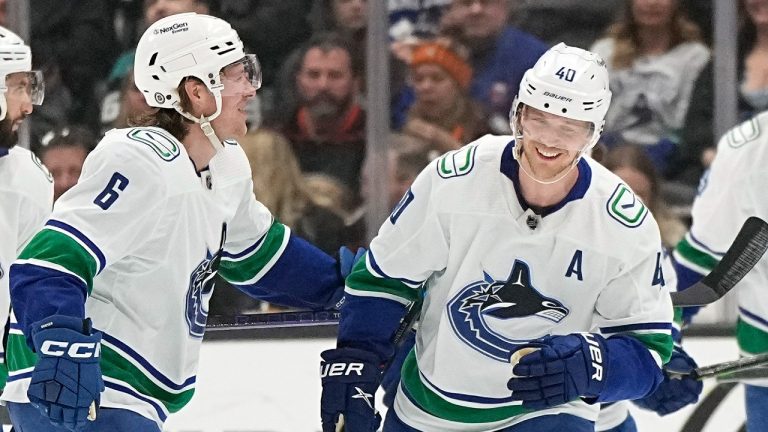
(67, 377)
(346, 262)
(350, 378)
(562, 370)
(677, 390)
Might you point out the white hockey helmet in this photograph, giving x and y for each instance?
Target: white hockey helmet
(569, 82)
(15, 57)
(188, 45)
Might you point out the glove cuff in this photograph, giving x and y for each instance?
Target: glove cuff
(350, 365)
(595, 353)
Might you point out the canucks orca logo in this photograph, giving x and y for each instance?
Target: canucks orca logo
(201, 284)
(494, 316)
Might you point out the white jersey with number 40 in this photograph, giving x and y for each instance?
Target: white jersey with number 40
(498, 275)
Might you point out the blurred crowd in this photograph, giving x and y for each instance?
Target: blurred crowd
(455, 68)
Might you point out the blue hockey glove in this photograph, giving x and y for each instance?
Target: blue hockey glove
(346, 262)
(67, 377)
(677, 390)
(563, 369)
(350, 378)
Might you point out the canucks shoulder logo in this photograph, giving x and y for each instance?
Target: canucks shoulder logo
(495, 316)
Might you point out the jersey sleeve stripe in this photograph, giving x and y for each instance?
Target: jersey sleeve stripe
(374, 268)
(750, 316)
(363, 283)
(61, 250)
(690, 255)
(659, 343)
(245, 253)
(91, 246)
(752, 339)
(700, 245)
(161, 412)
(633, 327)
(20, 266)
(114, 366)
(129, 354)
(251, 268)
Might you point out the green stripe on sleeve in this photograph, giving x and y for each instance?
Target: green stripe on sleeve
(363, 280)
(246, 269)
(115, 366)
(659, 342)
(432, 403)
(751, 339)
(58, 248)
(17, 354)
(695, 255)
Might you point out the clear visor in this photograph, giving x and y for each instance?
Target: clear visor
(555, 131)
(241, 77)
(26, 85)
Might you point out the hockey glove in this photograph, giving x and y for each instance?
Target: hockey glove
(67, 377)
(350, 378)
(564, 369)
(677, 390)
(346, 262)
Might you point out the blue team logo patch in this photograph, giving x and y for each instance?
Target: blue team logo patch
(495, 316)
(400, 207)
(201, 284)
(626, 207)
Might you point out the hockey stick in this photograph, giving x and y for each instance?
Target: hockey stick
(752, 367)
(747, 249)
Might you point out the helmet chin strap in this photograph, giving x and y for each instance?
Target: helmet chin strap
(205, 122)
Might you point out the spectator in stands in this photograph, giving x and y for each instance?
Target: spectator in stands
(120, 106)
(327, 128)
(406, 159)
(575, 22)
(279, 184)
(632, 164)
(698, 140)
(443, 115)
(654, 54)
(416, 19)
(272, 28)
(74, 45)
(63, 151)
(499, 54)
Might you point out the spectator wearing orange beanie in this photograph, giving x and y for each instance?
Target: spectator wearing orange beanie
(443, 115)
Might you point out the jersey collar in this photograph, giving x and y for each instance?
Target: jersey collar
(510, 168)
(4, 151)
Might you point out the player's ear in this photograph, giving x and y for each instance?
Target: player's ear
(197, 95)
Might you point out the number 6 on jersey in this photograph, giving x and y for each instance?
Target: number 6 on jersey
(110, 194)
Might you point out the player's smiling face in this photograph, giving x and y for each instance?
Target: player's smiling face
(551, 142)
(237, 92)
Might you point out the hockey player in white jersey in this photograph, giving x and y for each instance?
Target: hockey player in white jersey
(517, 241)
(26, 187)
(110, 298)
(732, 190)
